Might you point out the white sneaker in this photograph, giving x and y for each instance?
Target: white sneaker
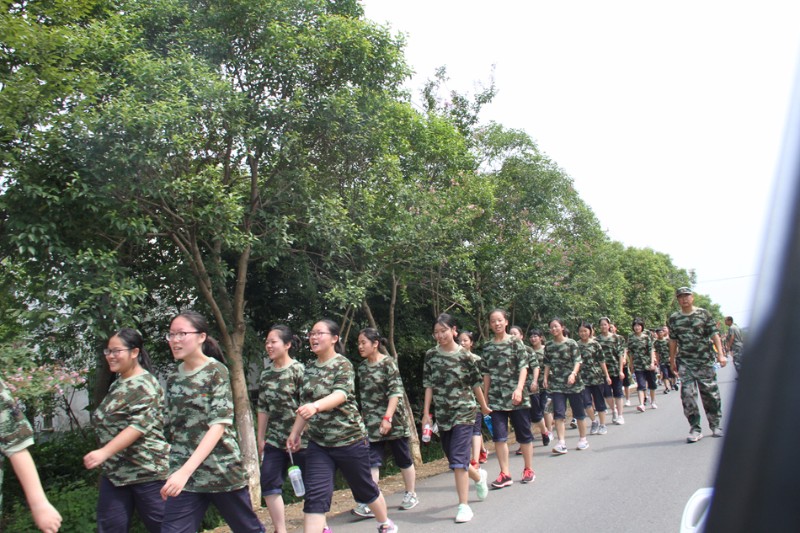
(602, 430)
(583, 444)
(482, 486)
(363, 510)
(640, 408)
(620, 420)
(464, 513)
(595, 427)
(653, 406)
(614, 418)
(627, 403)
(409, 501)
(694, 436)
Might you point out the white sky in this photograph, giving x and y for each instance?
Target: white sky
(669, 116)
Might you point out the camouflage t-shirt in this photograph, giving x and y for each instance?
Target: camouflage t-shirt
(611, 353)
(534, 362)
(561, 358)
(377, 382)
(452, 376)
(16, 433)
(502, 362)
(661, 347)
(693, 334)
(592, 355)
(735, 333)
(640, 348)
(343, 425)
(279, 398)
(136, 402)
(196, 400)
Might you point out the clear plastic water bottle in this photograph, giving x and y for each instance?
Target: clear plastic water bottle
(427, 431)
(296, 477)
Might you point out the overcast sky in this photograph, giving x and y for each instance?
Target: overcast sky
(669, 117)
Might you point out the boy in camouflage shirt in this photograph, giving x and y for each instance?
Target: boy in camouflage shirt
(661, 346)
(691, 330)
(640, 350)
(16, 436)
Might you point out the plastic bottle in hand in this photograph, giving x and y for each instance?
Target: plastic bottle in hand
(427, 431)
(296, 477)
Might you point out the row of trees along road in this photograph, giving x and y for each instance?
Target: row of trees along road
(259, 160)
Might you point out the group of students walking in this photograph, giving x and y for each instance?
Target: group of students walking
(169, 454)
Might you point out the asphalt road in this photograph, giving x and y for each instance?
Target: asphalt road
(638, 477)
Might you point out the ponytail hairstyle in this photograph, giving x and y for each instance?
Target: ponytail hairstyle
(638, 320)
(211, 346)
(373, 335)
(518, 328)
(470, 335)
(449, 322)
(334, 328)
(131, 338)
(588, 325)
(286, 336)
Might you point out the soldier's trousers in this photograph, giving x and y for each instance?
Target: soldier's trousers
(704, 379)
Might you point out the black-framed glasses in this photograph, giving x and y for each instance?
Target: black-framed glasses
(178, 335)
(116, 351)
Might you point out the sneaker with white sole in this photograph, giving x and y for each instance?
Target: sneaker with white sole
(573, 423)
(546, 437)
(627, 403)
(694, 436)
(560, 448)
(640, 408)
(409, 501)
(363, 510)
(653, 406)
(464, 513)
(389, 527)
(481, 486)
(528, 475)
(602, 430)
(614, 418)
(583, 444)
(717, 432)
(595, 427)
(502, 481)
(620, 420)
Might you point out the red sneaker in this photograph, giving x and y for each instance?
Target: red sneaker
(484, 456)
(503, 480)
(528, 475)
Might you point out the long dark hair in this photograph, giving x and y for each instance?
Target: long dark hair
(211, 346)
(131, 338)
(286, 335)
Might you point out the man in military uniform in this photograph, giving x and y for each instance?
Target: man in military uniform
(734, 342)
(691, 332)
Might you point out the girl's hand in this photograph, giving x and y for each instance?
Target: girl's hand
(386, 426)
(293, 443)
(571, 379)
(46, 517)
(94, 459)
(534, 387)
(608, 380)
(516, 397)
(485, 410)
(307, 410)
(174, 485)
(261, 445)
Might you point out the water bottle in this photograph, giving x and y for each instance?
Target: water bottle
(427, 431)
(296, 477)
(487, 419)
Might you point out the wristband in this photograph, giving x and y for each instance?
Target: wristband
(388, 419)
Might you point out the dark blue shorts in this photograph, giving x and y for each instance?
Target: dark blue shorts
(666, 372)
(457, 445)
(321, 464)
(400, 452)
(274, 466)
(538, 401)
(184, 513)
(521, 418)
(593, 394)
(645, 379)
(115, 506)
(616, 387)
(477, 429)
(560, 405)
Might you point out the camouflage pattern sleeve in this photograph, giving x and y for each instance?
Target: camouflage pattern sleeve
(16, 433)
(640, 347)
(661, 347)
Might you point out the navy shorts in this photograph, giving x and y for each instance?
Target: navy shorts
(538, 401)
(321, 464)
(274, 467)
(115, 506)
(477, 429)
(184, 513)
(457, 445)
(616, 387)
(593, 394)
(626, 381)
(666, 372)
(560, 405)
(521, 418)
(645, 379)
(400, 452)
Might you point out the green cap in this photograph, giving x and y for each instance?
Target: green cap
(682, 290)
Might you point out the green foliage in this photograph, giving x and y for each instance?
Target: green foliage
(76, 502)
